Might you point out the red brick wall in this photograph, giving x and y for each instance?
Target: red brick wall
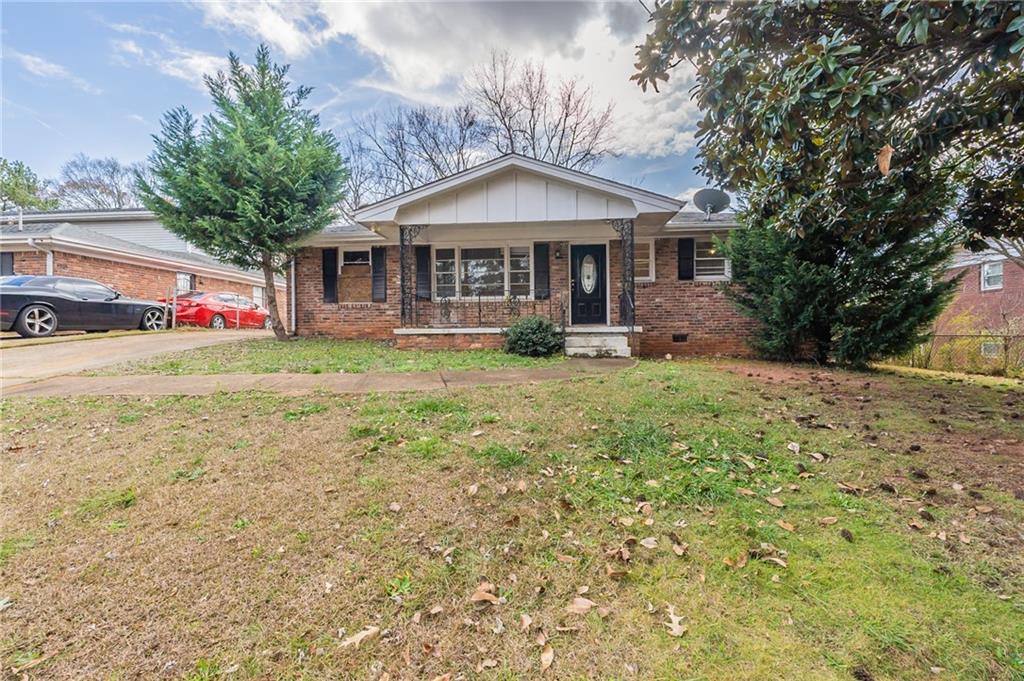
(665, 307)
(30, 262)
(314, 317)
(462, 341)
(136, 281)
(974, 311)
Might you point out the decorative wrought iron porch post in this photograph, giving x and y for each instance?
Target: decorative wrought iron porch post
(627, 300)
(406, 235)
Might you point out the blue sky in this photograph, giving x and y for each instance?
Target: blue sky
(96, 77)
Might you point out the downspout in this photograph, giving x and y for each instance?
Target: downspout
(291, 299)
(49, 255)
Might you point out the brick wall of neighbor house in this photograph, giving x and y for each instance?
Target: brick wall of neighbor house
(975, 311)
(139, 281)
(30, 262)
(700, 310)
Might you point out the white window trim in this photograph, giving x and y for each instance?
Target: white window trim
(715, 277)
(343, 251)
(262, 296)
(1002, 273)
(650, 247)
(504, 245)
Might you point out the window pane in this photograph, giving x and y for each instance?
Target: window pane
(183, 282)
(355, 258)
(710, 267)
(706, 249)
(483, 271)
(993, 274)
(642, 260)
(444, 272)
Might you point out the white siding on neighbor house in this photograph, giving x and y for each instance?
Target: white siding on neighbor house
(516, 196)
(143, 232)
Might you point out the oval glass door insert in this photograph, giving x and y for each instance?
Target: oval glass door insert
(588, 274)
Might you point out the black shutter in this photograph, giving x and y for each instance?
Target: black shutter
(541, 271)
(6, 264)
(686, 259)
(423, 272)
(330, 272)
(379, 270)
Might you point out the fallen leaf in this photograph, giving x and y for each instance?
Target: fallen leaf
(443, 677)
(776, 560)
(680, 549)
(884, 159)
(524, 622)
(580, 606)
(486, 664)
(476, 433)
(828, 520)
(485, 593)
(367, 634)
(472, 489)
(675, 626)
(846, 534)
(786, 526)
(547, 656)
(746, 492)
(776, 502)
(964, 538)
(394, 506)
(793, 447)
(649, 542)
(562, 558)
(983, 509)
(626, 521)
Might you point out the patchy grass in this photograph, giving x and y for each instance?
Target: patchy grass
(671, 485)
(319, 356)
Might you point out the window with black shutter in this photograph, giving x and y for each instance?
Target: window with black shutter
(686, 259)
(379, 265)
(423, 272)
(330, 274)
(541, 271)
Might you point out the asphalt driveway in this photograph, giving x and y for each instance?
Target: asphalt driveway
(34, 362)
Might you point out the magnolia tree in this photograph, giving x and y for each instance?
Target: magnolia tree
(854, 131)
(256, 177)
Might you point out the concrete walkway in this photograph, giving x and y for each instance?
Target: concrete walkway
(22, 364)
(301, 384)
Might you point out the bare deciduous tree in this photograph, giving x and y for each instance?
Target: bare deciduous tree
(96, 183)
(506, 107)
(522, 113)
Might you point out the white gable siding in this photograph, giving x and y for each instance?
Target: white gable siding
(516, 196)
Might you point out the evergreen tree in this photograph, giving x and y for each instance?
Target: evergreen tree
(257, 177)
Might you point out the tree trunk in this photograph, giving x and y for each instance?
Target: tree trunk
(269, 284)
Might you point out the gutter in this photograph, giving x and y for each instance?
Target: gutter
(49, 255)
(291, 298)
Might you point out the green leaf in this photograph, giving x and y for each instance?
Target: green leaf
(904, 33)
(921, 31)
(1017, 46)
(889, 9)
(1016, 25)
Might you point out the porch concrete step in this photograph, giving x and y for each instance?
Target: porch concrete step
(597, 345)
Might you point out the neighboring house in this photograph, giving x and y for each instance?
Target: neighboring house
(990, 298)
(452, 263)
(128, 249)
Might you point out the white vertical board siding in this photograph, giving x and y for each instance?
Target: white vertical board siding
(516, 196)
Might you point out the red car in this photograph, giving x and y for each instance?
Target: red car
(221, 311)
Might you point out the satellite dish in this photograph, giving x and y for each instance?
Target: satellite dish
(710, 201)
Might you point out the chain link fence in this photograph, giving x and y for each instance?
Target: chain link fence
(992, 354)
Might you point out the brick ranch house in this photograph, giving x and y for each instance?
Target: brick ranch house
(128, 250)
(452, 263)
(990, 298)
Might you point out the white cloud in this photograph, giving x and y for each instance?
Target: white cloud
(167, 57)
(425, 51)
(42, 68)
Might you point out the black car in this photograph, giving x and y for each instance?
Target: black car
(38, 306)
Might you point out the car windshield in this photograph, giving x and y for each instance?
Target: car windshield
(191, 294)
(20, 280)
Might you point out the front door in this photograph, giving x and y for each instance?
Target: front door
(589, 284)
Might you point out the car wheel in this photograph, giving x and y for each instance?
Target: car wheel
(36, 321)
(267, 324)
(152, 319)
(217, 322)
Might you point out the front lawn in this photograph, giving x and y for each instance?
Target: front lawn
(319, 356)
(673, 521)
